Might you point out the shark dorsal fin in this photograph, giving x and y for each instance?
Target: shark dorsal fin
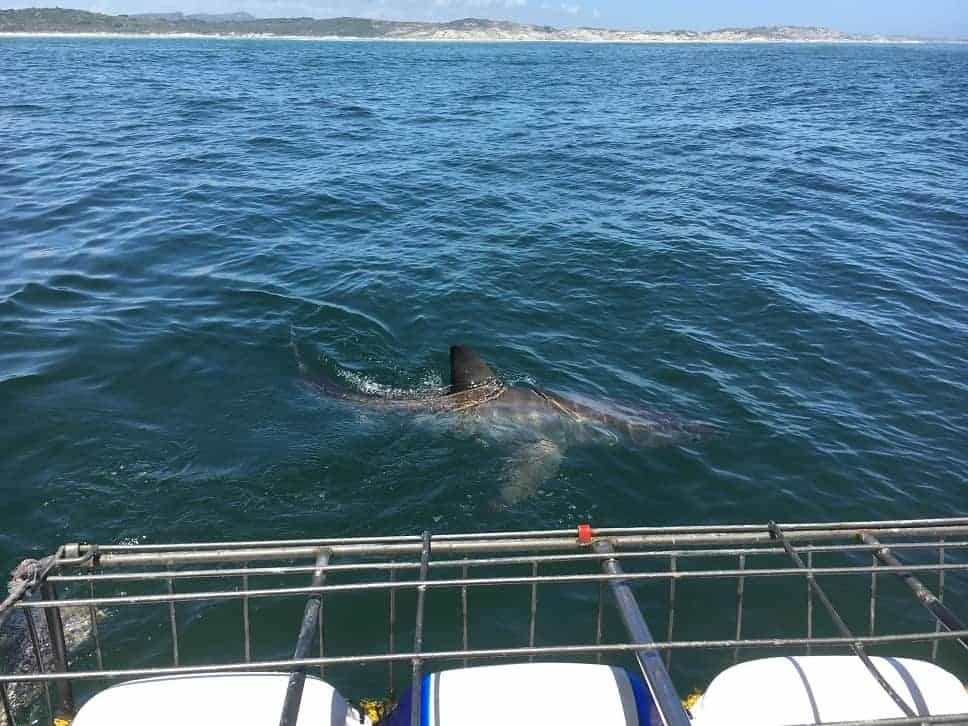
(467, 370)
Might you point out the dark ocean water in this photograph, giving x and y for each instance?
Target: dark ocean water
(772, 239)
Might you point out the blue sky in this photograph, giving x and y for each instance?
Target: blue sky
(924, 17)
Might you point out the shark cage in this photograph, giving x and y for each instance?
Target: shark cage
(849, 622)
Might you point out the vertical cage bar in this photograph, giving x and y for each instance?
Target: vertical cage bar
(246, 623)
(534, 608)
(392, 618)
(463, 613)
(418, 632)
(35, 642)
(873, 605)
(859, 650)
(95, 633)
(322, 634)
(173, 622)
(740, 592)
(307, 633)
(55, 632)
(5, 704)
(666, 706)
(809, 602)
(937, 623)
(599, 620)
(672, 609)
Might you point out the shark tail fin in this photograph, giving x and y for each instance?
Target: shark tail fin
(314, 379)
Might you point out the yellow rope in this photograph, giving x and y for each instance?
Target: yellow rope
(691, 700)
(376, 709)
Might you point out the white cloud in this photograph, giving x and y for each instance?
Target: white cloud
(570, 8)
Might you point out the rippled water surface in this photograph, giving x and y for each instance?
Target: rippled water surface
(771, 239)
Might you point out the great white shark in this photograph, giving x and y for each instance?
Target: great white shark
(537, 425)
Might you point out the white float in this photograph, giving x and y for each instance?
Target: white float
(527, 694)
(825, 689)
(239, 699)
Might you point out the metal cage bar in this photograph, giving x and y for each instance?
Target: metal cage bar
(740, 592)
(39, 659)
(534, 609)
(172, 620)
(493, 561)
(937, 624)
(938, 609)
(392, 618)
(307, 632)
(246, 624)
(416, 660)
(442, 655)
(55, 633)
(464, 635)
(839, 623)
(665, 704)
(671, 622)
(95, 633)
(5, 705)
(461, 562)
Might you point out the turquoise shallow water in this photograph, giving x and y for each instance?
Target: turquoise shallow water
(768, 238)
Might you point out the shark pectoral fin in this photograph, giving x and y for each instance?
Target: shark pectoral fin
(527, 467)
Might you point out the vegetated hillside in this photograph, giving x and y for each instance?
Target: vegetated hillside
(62, 20)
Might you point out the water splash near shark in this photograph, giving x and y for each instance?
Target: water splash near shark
(534, 425)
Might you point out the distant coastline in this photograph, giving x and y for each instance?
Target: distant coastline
(475, 39)
(60, 22)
